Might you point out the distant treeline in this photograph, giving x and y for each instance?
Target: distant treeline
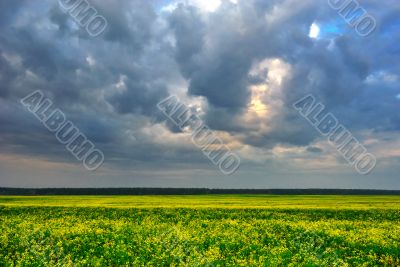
(188, 191)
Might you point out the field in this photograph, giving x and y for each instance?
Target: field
(210, 230)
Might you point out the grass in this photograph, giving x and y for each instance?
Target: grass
(206, 230)
(208, 201)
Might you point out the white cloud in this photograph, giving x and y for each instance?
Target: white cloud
(204, 5)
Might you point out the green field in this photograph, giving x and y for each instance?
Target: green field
(210, 230)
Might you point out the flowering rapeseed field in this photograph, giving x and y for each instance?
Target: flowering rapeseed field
(200, 231)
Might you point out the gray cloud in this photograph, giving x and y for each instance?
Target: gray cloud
(109, 85)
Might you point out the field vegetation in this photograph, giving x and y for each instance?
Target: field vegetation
(209, 230)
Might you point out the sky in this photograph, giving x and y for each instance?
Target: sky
(239, 65)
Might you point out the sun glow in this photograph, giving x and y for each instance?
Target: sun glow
(257, 104)
(273, 72)
(314, 31)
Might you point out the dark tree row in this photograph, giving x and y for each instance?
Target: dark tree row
(188, 191)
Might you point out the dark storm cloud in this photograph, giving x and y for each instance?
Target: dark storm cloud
(9, 10)
(139, 97)
(109, 85)
(56, 60)
(215, 54)
(129, 22)
(214, 72)
(8, 74)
